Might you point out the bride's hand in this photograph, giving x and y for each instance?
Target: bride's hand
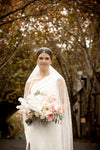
(30, 115)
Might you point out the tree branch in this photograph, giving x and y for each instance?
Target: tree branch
(92, 9)
(8, 58)
(78, 22)
(26, 16)
(21, 8)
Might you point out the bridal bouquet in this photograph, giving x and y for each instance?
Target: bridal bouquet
(41, 107)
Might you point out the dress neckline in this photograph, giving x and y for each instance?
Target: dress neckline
(39, 83)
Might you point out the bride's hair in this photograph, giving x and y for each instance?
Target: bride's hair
(44, 50)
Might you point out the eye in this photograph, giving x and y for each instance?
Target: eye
(47, 58)
(41, 58)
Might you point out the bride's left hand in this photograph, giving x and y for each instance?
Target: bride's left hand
(30, 115)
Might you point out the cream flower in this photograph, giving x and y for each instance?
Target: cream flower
(37, 114)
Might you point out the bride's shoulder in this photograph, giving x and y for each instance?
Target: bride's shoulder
(60, 80)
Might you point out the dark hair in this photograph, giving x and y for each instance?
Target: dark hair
(44, 50)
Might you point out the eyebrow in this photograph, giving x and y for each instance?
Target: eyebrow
(42, 57)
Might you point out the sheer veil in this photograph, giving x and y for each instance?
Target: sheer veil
(62, 93)
(35, 73)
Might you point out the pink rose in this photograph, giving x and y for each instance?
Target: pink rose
(52, 107)
(59, 109)
(50, 116)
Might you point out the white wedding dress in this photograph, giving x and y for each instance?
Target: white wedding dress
(51, 136)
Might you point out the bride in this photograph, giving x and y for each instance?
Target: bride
(45, 78)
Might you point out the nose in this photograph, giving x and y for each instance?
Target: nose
(43, 60)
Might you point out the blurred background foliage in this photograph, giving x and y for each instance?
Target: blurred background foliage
(16, 126)
(71, 28)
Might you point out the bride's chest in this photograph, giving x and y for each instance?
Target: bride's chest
(51, 86)
(46, 87)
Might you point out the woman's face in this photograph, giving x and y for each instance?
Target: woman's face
(44, 61)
